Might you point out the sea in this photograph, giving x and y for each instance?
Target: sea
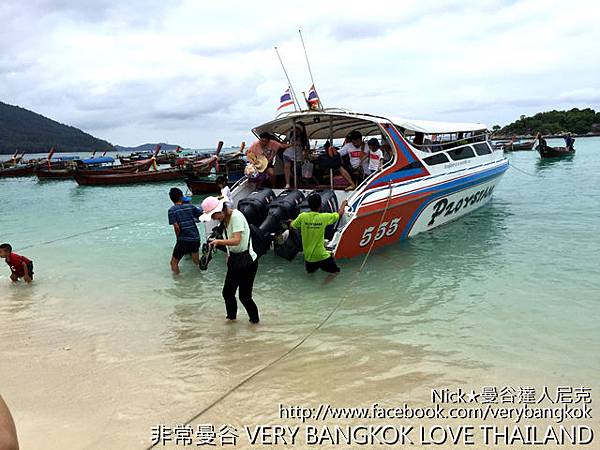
(107, 345)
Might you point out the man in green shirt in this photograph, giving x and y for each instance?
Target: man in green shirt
(312, 229)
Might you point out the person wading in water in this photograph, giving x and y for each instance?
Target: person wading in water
(242, 261)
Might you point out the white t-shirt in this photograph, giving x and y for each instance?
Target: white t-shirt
(375, 160)
(354, 153)
(226, 194)
(238, 223)
(365, 162)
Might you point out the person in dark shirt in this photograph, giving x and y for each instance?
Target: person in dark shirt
(569, 141)
(183, 218)
(20, 266)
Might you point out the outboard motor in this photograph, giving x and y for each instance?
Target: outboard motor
(284, 207)
(293, 244)
(256, 205)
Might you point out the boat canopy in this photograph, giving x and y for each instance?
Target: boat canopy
(100, 160)
(430, 127)
(336, 124)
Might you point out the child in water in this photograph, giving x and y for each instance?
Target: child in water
(20, 266)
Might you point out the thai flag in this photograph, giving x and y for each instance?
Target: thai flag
(285, 99)
(313, 98)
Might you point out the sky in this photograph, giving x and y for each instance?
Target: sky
(194, 72)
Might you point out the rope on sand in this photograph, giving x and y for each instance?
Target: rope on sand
(299, 343)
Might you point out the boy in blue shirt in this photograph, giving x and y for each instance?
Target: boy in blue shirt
(183, 218)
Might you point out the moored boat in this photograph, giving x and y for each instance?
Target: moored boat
(437, 172)
(232, 168)
(17, 170)
(151, 176)
(546, 151)
(519, 146)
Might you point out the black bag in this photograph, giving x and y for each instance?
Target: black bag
(239, 261)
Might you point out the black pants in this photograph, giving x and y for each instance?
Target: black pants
(243, 279)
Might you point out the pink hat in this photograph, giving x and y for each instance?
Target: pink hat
(211, 205)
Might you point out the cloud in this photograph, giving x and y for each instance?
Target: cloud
(195, 72)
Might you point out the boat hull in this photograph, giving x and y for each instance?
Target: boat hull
(554, 152)
(129, 178)
(408, 212)
(53, 174)
(208, 184)
(17, 171)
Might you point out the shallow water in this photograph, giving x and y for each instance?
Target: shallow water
(107, 343)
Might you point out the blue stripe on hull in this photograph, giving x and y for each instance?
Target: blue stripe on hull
(451, 188)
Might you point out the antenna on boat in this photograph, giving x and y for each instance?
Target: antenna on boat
(294, 98)
(312, 80)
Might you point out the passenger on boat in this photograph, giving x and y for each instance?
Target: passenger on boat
(300, 145)
(375, 157)
(312, 229)
(268, 147)
(387, 153)
(183, 218)
(221, 182)
(354, 150)
(20, 266)
(242, 261)
(569, 141)
(542, 141)
(331, 160)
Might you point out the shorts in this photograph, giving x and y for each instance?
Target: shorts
(183, 248)
(326, 265)
(29, 269)
(288, 160)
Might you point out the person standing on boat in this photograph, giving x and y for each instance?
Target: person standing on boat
(541, 141)
(312, 229)
(569, 141)
(299, 146)
(183, 217)
(268, 147)
(375, 157)
(354, 150)
(242, 261)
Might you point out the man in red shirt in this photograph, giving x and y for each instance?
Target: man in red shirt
(20, 266)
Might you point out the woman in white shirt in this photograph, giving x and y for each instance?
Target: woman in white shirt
(242, 261)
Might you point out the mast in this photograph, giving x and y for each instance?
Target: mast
(294, 98)
(309, 69)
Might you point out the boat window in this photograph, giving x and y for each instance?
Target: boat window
(482, 149)
(438, 158)
(461, 153)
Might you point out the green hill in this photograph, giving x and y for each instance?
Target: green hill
(577, 121)
(33, 133)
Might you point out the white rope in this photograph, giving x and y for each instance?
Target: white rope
(297, 345)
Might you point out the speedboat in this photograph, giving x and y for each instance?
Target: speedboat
(437, 172)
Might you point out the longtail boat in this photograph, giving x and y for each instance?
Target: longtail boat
(519, 146)
(151, 176)
(140, 166)
(232, 168)
(19, 170)
(546, 151)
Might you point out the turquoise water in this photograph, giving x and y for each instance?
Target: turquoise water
(508, 294)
